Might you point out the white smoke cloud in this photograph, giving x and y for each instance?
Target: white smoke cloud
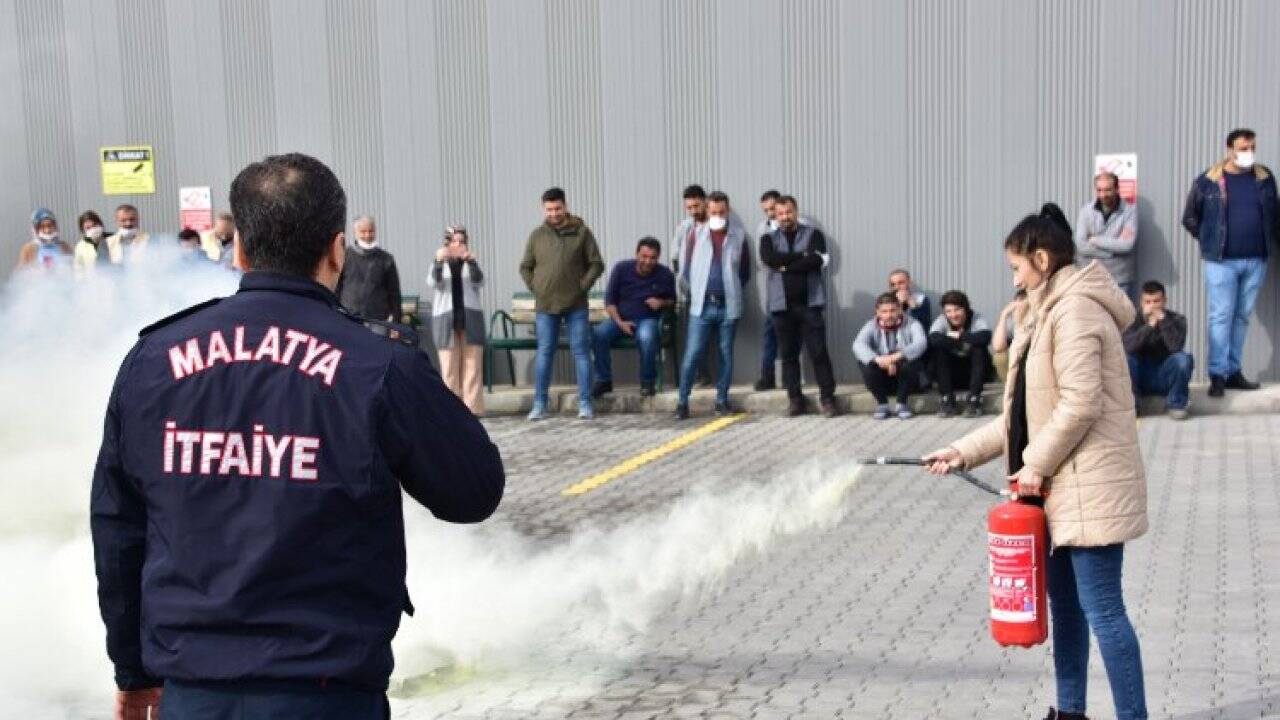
(490, 601)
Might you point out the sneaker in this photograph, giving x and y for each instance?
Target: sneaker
(766, 382)
(973, 408)
(795, 407)
(682, 411)
(1055, 715)
(947, 406)
(601, 387)
(829, 409)
(585, 412)
(539, 412)
(1237, 381)
(1177, 413)
(722, 408)
(647, 391)
(882, 412)
(904, 412)
(1217, 384)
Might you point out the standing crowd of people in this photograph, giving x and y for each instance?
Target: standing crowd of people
(902, 350)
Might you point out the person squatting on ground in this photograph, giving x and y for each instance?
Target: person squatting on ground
(958, 342)
(713, 279)
(457, 317)
(795, 259)
(561, 262)
(1232, 210)
(1069, 433)
(246, 514)
(1158, 365)
(890, 349)
(638, 293)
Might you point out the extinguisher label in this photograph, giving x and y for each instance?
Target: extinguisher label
(1013, 577)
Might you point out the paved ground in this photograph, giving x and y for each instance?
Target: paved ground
(883, 614)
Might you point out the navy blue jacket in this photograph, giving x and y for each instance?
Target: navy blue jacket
(246, 509)
(1205, 214)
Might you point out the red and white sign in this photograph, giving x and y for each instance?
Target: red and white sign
(195, 208)
(1125, 167)
(1013, 577)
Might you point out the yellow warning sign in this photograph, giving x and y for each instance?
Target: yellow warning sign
(128, 170)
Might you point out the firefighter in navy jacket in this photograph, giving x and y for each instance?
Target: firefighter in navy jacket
(246, 509)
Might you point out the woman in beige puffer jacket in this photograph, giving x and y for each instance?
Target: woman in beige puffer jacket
(1069, 432)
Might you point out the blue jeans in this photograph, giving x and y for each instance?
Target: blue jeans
(769, 351)
(647, 330)
(1169, 377)
(547, 328)
(1084, 594)
(1232, 286)
(700, 328)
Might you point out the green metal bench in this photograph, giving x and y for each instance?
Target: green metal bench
(504, 335)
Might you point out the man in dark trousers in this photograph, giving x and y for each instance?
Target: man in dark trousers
(370, 284)
(1158, 365)
(795, 257)
(246, 509)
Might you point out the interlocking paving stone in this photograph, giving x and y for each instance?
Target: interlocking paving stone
(884, 615)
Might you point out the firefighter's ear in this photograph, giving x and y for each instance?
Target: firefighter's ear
(338, 252)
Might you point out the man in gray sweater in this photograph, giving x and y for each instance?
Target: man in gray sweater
(1158, 365)
(1106, 231)
(890, 348)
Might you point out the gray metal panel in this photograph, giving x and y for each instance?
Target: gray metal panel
(916, 132)
(16, 202)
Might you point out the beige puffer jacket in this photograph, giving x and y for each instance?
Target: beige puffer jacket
(1080, 415)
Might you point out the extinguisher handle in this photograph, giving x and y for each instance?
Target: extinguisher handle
(1015, 492)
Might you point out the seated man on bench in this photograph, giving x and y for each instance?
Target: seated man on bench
(639, 291)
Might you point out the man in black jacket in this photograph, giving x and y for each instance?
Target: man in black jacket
(958, 341)
(1157, 363)
(248, 531)
(370, 283)
(795, 257)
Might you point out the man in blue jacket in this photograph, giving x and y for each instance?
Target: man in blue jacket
(1231, 210)
(246, 512)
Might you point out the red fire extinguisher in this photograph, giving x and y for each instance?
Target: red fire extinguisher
(1017, 547)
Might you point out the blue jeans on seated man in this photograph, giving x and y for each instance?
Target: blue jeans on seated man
(700, 328)
(1232, 286)
(547, 328)
(1169, 377)
(1084, 595)
(607, 332)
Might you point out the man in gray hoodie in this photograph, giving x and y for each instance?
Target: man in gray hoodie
(890, 348)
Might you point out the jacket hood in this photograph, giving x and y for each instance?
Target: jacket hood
(1215, 173)
(572, 223)
(1092, 281)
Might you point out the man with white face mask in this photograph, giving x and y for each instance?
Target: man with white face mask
(718, 268)
(1232, 211)
(128, 239)
(46, 248)
(370, 284)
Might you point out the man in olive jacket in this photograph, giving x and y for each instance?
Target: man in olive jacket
(561, 262)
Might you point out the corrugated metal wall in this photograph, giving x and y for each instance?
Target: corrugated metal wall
(916, 133)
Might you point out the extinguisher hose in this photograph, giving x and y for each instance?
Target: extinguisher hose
(917, 462)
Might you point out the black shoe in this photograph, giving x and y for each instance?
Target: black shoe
(947, 406)
(766, 382)
(795, 408)
(682, 412)
(974, 407)
(829, 408)
(722, 409)
(647, 391)
(601, 387)
(1217, 384)
(1237, 381)
(1055, 715)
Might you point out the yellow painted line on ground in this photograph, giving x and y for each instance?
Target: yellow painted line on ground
(634, 463)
